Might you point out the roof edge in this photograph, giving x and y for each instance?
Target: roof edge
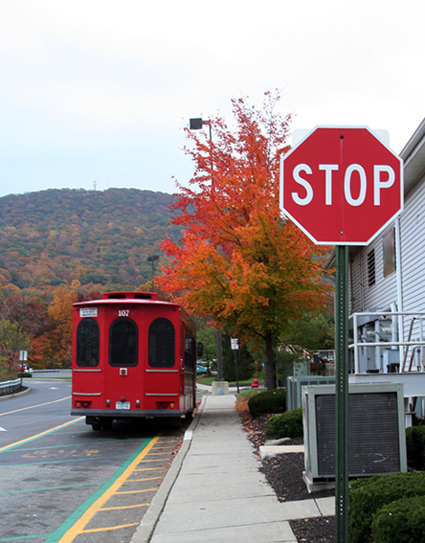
(413, 142)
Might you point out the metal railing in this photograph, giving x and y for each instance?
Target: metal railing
(8, 387)
(397, 322)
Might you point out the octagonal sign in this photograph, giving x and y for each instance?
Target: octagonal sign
(341, 185)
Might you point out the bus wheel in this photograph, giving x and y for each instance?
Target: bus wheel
(96, 427)
(189, 415)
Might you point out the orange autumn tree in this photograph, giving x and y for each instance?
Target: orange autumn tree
(58, 349)
(239, 261)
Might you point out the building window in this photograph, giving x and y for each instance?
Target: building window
(389, 252)
(371, 276)
(123, 339)
(87, 344)
(161, 343)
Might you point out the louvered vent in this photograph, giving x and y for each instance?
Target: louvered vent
(376, 433)
(371, 275)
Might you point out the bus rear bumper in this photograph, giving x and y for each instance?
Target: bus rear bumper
(125, 413)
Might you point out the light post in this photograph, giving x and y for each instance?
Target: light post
(197, 124)
(152, 259)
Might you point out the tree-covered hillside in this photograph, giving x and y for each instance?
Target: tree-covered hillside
(56, 236)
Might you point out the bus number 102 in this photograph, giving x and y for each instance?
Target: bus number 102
(123, 312)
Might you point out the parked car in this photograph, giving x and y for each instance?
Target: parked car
(201, 370)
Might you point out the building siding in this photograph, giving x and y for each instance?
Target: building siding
(384, 292)
(412, 226)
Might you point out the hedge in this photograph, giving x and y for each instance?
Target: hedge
(367, 496)
(402, 521)
(269, 401)
(415, 446)
(289, 424)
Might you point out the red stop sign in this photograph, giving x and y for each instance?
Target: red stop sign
(341, 185)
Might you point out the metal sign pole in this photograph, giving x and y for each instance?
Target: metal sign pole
(234, 344)
(341, 396)
(236, 368)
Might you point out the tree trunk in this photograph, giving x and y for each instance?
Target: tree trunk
(270, 363)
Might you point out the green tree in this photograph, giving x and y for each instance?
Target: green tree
(25, 320)
(207, 337)
(313, 330)
(244, 359)
(12, 340)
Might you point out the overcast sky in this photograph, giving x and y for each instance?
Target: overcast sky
(99, 91)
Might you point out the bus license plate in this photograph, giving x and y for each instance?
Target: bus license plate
(122, 405)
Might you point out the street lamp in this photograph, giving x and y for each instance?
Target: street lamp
(152, 259)
(197, 124)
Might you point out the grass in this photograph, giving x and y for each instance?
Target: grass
(205, 380)
(242, 400)
(247, 394)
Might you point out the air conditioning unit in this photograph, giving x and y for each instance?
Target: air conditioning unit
(376, 432)
(294, 385)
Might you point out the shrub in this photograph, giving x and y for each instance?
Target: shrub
(415, 445)
(402, 521)
(8, 370)
(290, 424)
(416, 421)
(269, 401)
(367, 496)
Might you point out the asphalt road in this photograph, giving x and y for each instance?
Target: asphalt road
(62, 482)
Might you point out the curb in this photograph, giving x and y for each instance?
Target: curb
(15, 395)
(150, 519)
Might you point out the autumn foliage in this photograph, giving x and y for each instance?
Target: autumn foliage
(239, 260)
(61, 246)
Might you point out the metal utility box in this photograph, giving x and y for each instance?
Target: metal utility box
(295, 383)
(376, 432)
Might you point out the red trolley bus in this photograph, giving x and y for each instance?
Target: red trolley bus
(133, 356)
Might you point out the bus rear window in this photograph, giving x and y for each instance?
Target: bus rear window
(123, 339)
(88, 343)
(161, 343)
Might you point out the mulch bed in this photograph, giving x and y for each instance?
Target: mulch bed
(284, 474)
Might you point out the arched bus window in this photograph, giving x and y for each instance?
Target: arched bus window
(88, 343)
(123, 340)
(161, 343)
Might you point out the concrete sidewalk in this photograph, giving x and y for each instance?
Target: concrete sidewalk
(214, 491)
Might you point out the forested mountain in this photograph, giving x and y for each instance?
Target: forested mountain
(56, 236)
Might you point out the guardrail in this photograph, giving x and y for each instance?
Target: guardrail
(9, 387)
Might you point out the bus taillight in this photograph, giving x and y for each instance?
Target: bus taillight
(166, 405)
(82, 404)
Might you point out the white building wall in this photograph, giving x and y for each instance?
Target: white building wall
(380, 295)
(412, 227)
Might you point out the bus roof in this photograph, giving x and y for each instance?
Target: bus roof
(126, 297)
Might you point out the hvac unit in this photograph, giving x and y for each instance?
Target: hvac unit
(376, 433)
(294, 385)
